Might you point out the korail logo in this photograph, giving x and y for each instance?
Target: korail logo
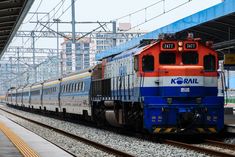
(180, 80)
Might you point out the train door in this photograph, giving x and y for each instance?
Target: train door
(59, 95)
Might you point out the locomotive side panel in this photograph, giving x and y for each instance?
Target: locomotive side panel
(123, 78)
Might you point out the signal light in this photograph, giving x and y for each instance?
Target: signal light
(199, 100)
(180, 43)
(169, 100)
(180, 49)
(208, 118)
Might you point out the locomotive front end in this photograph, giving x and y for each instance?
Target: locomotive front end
(179, 88)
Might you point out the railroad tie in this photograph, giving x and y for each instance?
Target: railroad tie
(23, 147)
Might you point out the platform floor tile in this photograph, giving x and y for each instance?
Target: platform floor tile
(43, 147)
(7, 149)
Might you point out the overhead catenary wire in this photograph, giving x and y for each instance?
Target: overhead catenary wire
(149, 6)
(39, 5)
(36, 28)
(164, 12)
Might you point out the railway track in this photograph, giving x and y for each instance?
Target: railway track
(220, 144)
(230, 129)
(203, 149)
(96, 145)
(115, 152)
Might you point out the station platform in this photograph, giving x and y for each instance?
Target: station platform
(229, 117)
(16, 141)
(229, 109)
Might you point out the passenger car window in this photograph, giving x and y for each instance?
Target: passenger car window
(209, 63)
(190, 57)
(148, 63)
(167, 58)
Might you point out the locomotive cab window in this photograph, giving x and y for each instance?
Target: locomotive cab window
(209, 63)
(190, 57)
(148, 63)
(167, 58)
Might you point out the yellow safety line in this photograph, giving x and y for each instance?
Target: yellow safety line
(23, 147)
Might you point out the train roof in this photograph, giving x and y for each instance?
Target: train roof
(36, 85)
(51, 82)
(127, 53)
(80, 74)
(80, 71)
(135, 50)
(77, 76)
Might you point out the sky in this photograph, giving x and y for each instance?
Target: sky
(109, 10)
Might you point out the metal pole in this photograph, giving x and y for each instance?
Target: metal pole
(228, 76)
(61, 64)
(33, 48)
(73, 21)
(18, 67)
(114, 33)
(58, 67)
(229, 38)
(18, 61)
(11, 71)
(73, 36)
(58, 53)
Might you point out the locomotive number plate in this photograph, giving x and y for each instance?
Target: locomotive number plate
(191, 46)
(185, 90)
(168, 45)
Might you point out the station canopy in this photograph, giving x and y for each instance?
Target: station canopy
(220, 30)
(12, 13)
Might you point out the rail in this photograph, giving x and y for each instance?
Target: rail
(197, 148)
(220, 144)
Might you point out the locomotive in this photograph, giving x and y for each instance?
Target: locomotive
(160, 86)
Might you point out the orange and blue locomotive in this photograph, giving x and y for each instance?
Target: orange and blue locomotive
(163, 86)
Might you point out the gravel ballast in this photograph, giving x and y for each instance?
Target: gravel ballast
(131, 145)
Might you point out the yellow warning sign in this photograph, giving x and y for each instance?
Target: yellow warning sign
(229, 59)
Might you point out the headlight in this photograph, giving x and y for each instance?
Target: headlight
(208, 118)
(215, 118)
(180, 43)
(169, 100)
(198, 100)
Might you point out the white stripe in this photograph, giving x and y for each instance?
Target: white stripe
(171, 81)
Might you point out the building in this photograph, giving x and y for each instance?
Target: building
(87, 47)
(80, 58)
